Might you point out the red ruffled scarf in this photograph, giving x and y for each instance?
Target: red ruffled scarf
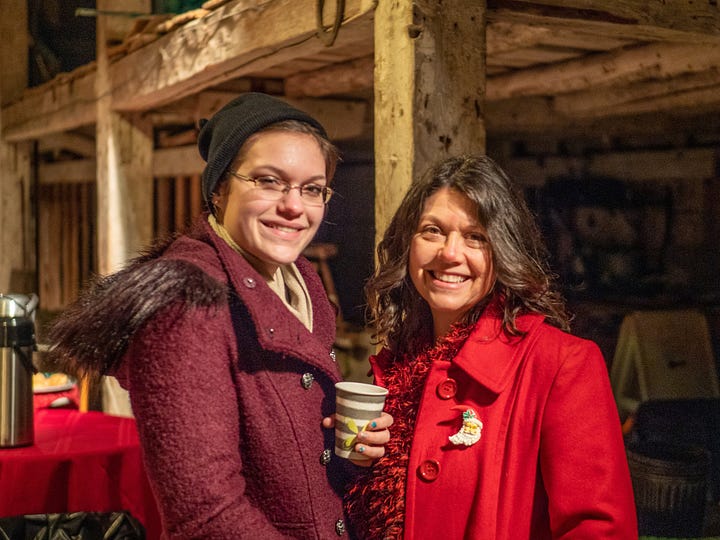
(375, 503)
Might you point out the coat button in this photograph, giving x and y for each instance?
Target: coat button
(249, 282)
(333, 356)
(307, 380)
(429, 469)
(447, 389)
(326, 456)
(340, 527)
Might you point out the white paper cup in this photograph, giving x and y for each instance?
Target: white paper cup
(355, 405)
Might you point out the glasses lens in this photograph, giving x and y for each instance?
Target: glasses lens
(273, 189)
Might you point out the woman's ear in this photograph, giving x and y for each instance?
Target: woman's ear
(216, 207)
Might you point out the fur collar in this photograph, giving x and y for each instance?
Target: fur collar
(92, 334)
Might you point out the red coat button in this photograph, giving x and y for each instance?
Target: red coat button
(429, 469)
(447, 389)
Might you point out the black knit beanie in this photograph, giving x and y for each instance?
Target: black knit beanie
(222, 136)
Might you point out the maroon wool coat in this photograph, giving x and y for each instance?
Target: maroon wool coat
(229, 401)
(550, 462)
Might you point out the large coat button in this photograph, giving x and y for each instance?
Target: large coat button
(340, 527)
(326, 456)
(307, 380)
(429, 470)
(447, 389)
(249, 282)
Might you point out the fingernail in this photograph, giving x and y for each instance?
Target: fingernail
(373, 424)
(361, 449)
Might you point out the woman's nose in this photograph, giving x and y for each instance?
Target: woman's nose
(452, 247)
(291, 201)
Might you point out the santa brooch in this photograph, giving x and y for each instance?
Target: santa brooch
(470, 431)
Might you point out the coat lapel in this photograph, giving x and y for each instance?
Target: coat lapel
(490, 357)
(277, 329)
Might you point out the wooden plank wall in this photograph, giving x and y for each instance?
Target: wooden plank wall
(178, 201)
(66, 231)
(66, 241)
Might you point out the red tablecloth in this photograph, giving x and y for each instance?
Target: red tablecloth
(80, 462)
(68, 399)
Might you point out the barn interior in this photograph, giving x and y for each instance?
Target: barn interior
(605, 113)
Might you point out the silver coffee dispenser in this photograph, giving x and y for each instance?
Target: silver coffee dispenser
(17, 343)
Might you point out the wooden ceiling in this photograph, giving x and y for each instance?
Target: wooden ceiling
(552, 65)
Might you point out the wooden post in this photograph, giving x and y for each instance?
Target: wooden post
(429, 91)
(17, 214)
(124, 181)
(124, 169)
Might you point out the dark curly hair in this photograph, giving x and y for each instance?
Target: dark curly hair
(401, 318)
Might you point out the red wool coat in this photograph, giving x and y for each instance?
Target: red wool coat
(229, 401)
(550, 462)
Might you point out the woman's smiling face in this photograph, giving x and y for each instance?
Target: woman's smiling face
(274, 231)
(450, 258)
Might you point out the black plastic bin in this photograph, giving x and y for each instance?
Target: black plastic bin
(670, 483)
(682, 422)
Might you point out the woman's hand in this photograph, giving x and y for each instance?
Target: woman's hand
(371, 441)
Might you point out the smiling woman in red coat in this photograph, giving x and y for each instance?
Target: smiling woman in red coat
(505, 425)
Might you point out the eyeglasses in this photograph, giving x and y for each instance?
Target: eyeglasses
(272, 188)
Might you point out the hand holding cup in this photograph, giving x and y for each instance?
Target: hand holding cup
(357, 404)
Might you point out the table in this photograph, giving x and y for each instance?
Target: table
(80, 461)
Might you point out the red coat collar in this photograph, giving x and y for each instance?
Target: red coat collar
(491, 357)
(488, 341)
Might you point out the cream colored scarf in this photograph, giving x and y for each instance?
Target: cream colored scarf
(286, 282)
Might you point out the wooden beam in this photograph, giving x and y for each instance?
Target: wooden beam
(17, 209)
(655, 61)
(347, 77)
(167, 162)
(429, 91)
(675, 20)
(72, 142)
(124, 173)
(642, 166)
(13, 50)
(237, 39)
(695, 99)
(637, 96)
(71, 171)
(342, 119)
(18, 233)
(674, 104)
(537, 116)
(177, 161)
(394, 91)
(63, 104)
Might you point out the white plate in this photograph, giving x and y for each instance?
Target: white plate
(57, 388)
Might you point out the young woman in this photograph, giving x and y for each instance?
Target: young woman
(505, 424)
(224, 337)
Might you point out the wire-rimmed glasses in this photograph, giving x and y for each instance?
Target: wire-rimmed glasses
(273, 188)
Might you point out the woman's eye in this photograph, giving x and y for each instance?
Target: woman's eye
(430, 231)
(476, 240)
(268, 181)
(313, 189)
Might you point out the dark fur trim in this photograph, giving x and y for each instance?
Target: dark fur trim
(92, 335)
